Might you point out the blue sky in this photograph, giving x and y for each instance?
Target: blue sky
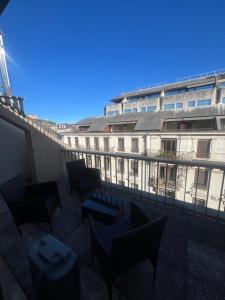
(68, 58)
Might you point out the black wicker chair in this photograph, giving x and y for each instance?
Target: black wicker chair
(123, 245)
(1, 294)
(31, 203)
(82, 180)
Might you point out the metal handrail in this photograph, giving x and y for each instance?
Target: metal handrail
(192, 163)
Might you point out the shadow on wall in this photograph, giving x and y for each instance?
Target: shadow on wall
(14, 157)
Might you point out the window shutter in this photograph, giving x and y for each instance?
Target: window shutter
(203, 148)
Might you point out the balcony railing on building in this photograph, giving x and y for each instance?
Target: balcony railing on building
(15, 103)
(196, 186)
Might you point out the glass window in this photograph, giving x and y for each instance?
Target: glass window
(89, 160)
(107, 163)
(134, 145)
(151, 108)
(137, 98)
(120, 144)
(191, 103)
(179, 105)
(110, 113)
(128, 111)
(87, 141)
(69, 141)
(204, 102)
(152, 96)
(223, 101)
(97, 162)
(96, 142)
(201, 178)
(222, 84)
(134, 110)
(202, 87)
(173, 92)
(106, 144)
(168, 106)
(133, 99)
(121, 165)
(143, 109)
(116, 112)
(76, 142)
(134, 167)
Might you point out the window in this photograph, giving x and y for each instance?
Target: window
(204, 102)
(110, 113)
(107, 163)
(113, 113)
(203, 148)
(121, 165)
(151, 108)
(134, 167)
(137, 98)
(169, 172)
(202, 87)
(223, 101)
(222, 84)
(106, 144)
(201, 178)
(128, 111)
(120, 144)
(96, 141)
(173, 92)
(69, 141)
(191, 103)
(134, 145)
(76, 142)
(168, 148)
(134, 186)
(179, 105)
(143, 109)
(87, 142)
(89, 160)
(168, 106)
(97, 162)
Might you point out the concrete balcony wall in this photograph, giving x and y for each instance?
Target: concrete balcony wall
(13, 152)
(44, 152)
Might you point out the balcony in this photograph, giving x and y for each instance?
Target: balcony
(15, 103)
(188, 256)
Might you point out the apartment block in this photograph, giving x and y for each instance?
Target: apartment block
(188, 93)
(184, 135)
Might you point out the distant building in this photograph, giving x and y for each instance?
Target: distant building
(188, 93)
(181, 121)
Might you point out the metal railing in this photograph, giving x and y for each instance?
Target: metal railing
(173, 182)
(15, 103)
(46, 130)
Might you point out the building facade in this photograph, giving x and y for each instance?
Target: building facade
(188, 93)
(196, 135)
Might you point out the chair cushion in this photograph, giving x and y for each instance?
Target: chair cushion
(107, 233)
(14, 189)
